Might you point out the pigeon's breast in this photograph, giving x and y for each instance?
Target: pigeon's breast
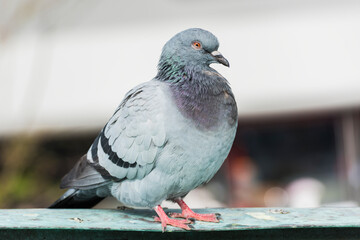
(206, 99)
(193, 153)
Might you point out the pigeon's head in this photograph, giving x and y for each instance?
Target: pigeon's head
(193, 46)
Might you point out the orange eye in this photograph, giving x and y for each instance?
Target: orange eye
(196, 45)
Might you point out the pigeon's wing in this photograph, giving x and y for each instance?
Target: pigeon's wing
(129, 143)
(83, 176)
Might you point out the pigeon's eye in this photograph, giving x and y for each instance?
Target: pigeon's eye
(196, 45)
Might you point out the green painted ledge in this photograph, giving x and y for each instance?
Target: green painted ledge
(244, 223)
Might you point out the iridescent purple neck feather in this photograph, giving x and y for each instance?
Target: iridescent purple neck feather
(201, 94)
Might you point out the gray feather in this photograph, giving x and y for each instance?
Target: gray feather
(83, 176)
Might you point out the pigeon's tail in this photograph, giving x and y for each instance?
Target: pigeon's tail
(74, 198)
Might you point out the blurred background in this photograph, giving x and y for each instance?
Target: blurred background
(295, 71)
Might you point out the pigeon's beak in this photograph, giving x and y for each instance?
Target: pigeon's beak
(220, 58)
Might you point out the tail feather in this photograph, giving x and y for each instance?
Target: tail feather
(75, 198)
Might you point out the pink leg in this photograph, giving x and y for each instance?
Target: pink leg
(189, 214)
(165, 220)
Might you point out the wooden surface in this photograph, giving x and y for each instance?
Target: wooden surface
(245, 223)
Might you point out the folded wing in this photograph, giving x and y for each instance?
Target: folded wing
(128, 145)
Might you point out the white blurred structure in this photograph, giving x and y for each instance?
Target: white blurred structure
(305, 192)
(66, 65)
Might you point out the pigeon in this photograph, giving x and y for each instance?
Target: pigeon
(168, 136)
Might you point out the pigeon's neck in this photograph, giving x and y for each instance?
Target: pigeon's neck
(201, 94)
(170, 70)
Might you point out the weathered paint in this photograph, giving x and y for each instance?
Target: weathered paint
(138, 223)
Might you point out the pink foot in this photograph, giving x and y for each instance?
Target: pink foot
(189, 214)
(165, 220)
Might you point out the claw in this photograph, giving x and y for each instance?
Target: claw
(165, 220)
(187, 213)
